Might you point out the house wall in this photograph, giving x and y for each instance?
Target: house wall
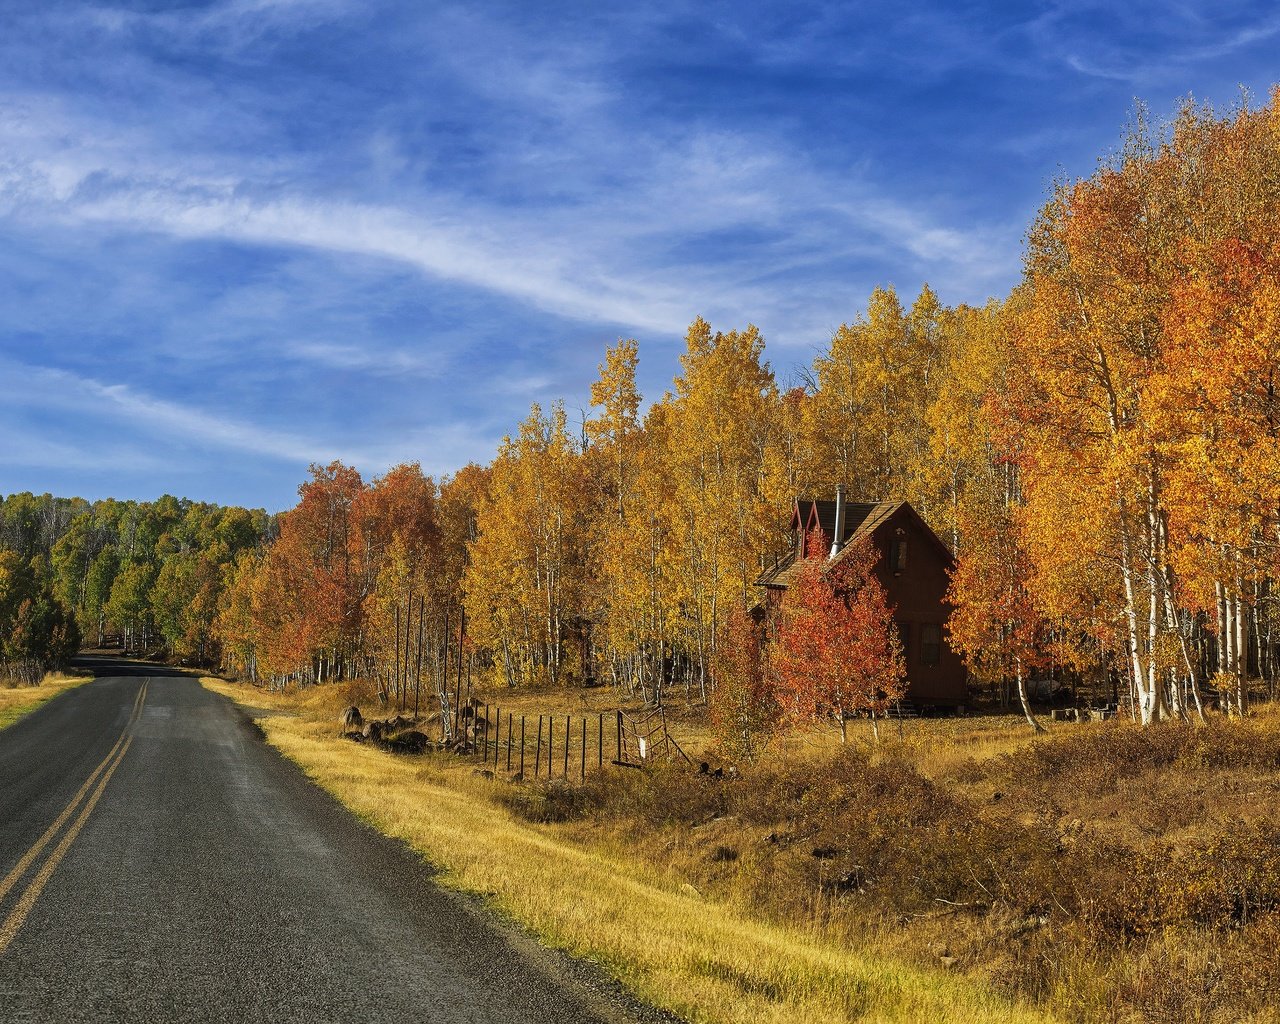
(918, 597)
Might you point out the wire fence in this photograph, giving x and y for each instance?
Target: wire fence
(559, 746)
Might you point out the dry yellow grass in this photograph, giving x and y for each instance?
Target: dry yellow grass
(17, 701)
(669, 946)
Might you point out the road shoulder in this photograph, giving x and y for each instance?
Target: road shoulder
(17, 702)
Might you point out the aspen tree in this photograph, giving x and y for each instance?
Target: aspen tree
(524, 579)
(721, 424)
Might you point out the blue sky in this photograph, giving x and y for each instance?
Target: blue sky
(243, 236)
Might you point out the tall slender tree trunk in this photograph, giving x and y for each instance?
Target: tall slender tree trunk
(1021, 680)
(1241, 648)
(1137, 670)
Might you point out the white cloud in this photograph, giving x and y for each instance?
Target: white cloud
(30, 449)
(603, 256)
(1116, 43)
(236, 21)
(374, 360)
(440, 448)
(49, 388)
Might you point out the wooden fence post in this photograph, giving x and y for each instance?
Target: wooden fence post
(568, 740)
(551, 742)
(583, 775)
(537, 751)
(497, 737)
(522, 748)
(600, 747)
(508, 743)
(618, 748)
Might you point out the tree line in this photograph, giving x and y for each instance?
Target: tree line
(1098, 448)
(150, 573)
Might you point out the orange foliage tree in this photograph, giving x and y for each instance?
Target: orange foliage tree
(996, 625)
(837, 651)
(308, 602)
(744, 707)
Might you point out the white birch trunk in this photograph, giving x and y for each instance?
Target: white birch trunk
(1022, 696)
(1241, 648)
(1138, 677)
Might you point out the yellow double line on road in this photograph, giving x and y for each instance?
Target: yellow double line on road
(101, 775)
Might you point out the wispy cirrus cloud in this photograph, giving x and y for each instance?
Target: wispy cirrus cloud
(380, 361)
(233, 24)
(579, 210)
(191, 426)
(1150, 44)
(31, 450)
(608, 261)
(50, 388)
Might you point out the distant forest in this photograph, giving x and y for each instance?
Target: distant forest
(1100, 449)
(151, 573)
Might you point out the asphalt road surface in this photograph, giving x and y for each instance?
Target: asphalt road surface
(161, 863)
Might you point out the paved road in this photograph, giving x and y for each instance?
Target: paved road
(162, 863)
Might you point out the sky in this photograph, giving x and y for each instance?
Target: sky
(241, 237)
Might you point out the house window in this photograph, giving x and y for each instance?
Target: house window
(904, 634)
(898, 556)
(930, 644)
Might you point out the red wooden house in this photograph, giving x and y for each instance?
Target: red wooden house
(914, 566)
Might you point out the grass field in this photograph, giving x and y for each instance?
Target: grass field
(17, 701)
(637, 915)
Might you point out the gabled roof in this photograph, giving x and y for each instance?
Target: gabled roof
(822, 514)
(862, 519)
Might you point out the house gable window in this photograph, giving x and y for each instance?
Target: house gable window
(898, 556)
(930, 644)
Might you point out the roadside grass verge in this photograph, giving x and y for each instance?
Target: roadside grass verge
(19, 701)
(606, 901)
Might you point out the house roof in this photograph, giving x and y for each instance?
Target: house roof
(824, 512)
(862, 519)
(776, 575)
